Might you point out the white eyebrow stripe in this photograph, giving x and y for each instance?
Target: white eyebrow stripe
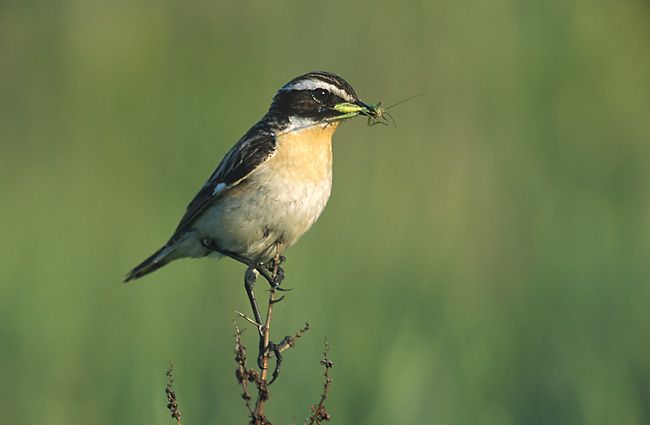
(318, 84)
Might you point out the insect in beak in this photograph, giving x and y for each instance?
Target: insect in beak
(353, 109)
(376, 113)
(366, 110)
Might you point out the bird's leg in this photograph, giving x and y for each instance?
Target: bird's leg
(249, 281)
(272, 272)
(249, 278)
(278, 276)
(274, 275)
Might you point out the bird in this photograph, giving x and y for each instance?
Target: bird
(272, 185)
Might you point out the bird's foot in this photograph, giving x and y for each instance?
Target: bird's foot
(278, 361)
(275, 272)
(276, 349)
(274, 266)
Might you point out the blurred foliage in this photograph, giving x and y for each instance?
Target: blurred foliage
(486, 261)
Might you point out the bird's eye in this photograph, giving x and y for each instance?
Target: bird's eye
(320, 95)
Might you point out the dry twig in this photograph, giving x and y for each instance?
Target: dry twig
(172, 404)
(267, 350)
(319, 413)
(246, 377)
(243, 374)
(263, 387)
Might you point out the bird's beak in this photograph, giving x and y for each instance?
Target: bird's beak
(352, 109)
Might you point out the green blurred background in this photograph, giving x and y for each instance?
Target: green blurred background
(484, 262)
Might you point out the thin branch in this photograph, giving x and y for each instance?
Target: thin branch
(172, 404)
(246, 377)
(290, 341)
(319, 413)
(263, 389)
(242, 373)
(248, 319)
(268, 350)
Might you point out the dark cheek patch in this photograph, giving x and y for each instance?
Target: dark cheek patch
(300, 103)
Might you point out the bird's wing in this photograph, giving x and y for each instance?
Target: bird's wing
(252, 150)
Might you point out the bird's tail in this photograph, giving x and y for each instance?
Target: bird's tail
(153, 263)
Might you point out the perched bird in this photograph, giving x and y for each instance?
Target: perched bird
(273, 183)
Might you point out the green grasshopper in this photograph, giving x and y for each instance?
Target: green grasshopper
(376, 113)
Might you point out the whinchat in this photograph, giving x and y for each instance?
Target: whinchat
(274, 182)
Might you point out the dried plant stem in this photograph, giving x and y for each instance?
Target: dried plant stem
(319, 413)
(249, 320)
(249, 377)
(263, 392)
(172, 404)
(242, 373)
(266, 350)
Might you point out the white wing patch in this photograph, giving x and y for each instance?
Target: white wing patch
(218, 189)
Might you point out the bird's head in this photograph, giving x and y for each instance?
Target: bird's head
(317, 98)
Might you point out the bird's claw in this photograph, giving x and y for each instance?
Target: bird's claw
(277, 300)
(278, 277)
(260, 362)
(278, 361)
(276, 349)
(272, 272)
(261, 353)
